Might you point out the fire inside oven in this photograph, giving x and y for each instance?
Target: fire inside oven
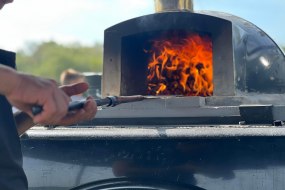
(171, 62)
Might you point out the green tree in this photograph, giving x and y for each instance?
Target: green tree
(49, 59)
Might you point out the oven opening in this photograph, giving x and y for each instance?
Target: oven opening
(173, 62)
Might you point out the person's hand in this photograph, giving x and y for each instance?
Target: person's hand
(25, 91)
(89, 110)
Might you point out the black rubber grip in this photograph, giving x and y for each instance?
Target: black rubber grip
(72, 106)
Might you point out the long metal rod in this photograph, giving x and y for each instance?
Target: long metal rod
(108, 101)
(25, 122)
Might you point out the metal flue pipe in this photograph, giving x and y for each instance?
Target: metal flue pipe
(173, 5)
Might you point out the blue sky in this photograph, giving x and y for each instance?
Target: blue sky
(84, 21)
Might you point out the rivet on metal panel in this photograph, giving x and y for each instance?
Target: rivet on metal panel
(278, 123)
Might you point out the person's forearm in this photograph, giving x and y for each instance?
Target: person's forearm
(23, 121)
(8, 79)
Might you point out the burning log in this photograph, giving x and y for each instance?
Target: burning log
(181, 67)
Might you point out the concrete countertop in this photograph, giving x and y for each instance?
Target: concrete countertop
(153, 132)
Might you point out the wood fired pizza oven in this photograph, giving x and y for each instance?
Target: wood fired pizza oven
(244, 59)
(195, 61)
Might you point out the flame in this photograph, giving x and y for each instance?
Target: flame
(181, 67)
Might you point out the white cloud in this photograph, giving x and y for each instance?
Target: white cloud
(65, 21)
(84, 21)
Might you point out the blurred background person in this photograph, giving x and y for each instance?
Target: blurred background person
(71, 76)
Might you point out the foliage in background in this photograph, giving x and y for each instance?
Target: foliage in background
(49, 59)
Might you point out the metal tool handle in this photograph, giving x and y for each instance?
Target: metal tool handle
(108, 101)
(72, 106)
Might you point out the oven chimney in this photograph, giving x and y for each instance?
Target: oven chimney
(173, 5)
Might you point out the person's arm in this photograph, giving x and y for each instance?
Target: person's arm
(23, 122)
(7, 78)
(24, 91)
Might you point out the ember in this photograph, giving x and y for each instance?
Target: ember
(181, 66)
